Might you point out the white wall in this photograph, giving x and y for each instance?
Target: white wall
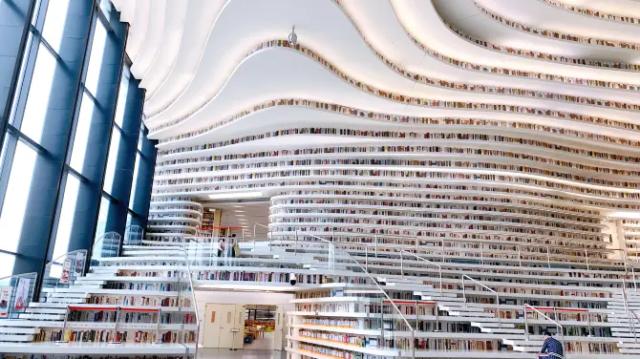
(229, 297)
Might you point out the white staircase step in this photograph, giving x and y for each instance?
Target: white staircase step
(46, 310)
(66, 300)
(40, 316)
(18, 338)
(493, 324)
(502, 330)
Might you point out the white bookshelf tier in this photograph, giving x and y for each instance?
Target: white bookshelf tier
(97, 349)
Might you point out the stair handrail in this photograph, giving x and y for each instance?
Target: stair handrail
(375, 281)
(11, 300)
(475, 281)
(428, 262)
(632, 324)
(528, 307)
(194, 301)
(59, 261)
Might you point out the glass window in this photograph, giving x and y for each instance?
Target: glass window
(134, 181)
(122, 98)
(103, 216)
(97, 57)
(141, 138)
(105, 7)
(17, 195)
(81, 137)
(55, 21)
(110, 172)
(3, 155)
(6, 264)
(67, 215)
(39, 96)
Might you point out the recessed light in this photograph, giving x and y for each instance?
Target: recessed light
(625, 214)
(234, 195)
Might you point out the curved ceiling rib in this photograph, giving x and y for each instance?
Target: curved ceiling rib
(419, 101)
(200, 21)
(421, 19)
(537, 14)
(606, 8)
(167, 53)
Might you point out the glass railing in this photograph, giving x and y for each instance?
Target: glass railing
(106, 245)
(16, 292)
(133, 235)
(64, 270)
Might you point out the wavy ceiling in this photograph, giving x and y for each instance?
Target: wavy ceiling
(534, 99)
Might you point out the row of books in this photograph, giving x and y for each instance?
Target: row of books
(249, 276)
(131, 300)
(522, 163)
(434, 135)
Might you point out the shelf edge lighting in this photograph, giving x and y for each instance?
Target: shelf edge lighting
(236, 195)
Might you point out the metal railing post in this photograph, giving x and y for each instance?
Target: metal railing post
(401, 265)
(158, 341)
(64, 325)
(519, 256)
(375, 248)
(464, 295)
(366, 257)
(586, 257)
(526, 323)
(413, 342)
(115, 326)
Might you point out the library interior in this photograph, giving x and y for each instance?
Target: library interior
(319, 179)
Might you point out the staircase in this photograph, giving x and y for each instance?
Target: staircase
(626, 326)
(50, 312)
(43, 319)
(478, 317)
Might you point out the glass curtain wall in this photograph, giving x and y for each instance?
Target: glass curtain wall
(75, 160)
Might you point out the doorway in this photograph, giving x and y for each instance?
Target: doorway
(220, 326)
(260, 323)
(243, 326)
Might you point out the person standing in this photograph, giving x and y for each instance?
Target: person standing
(222, 246)
(551, 348)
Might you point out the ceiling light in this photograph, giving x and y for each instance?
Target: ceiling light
(625, 214)
(293, 37)
(236, 195)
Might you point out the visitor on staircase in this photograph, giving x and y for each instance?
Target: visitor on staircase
(551, 348)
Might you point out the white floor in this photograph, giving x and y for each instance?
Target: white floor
(239, 354)
(264, 343)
